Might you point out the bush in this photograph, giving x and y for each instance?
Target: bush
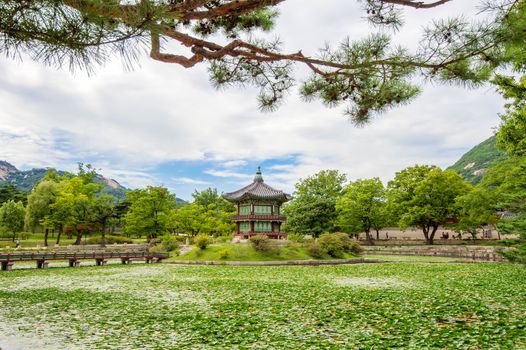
(157, 249)
(261, 243)
(223, 239)
(296, 237)
(355, 248)
(202, 241)
(224, 254)
(316, 251)
(109, 240)
(336, 244)
(169, 242)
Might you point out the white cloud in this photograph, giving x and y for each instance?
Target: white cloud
(189, 181)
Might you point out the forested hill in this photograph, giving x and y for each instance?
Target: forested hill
(474, 163)
(26, 180)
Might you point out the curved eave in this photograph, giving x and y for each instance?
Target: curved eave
(249, 196)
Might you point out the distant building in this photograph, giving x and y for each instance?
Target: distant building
(258, 209)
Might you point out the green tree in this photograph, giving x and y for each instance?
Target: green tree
(369, 75)
(511, 134)
(477, 208)
(313, 210)
(425, 197)
(149, 211)
(39, 210)
(362, 207)
(104, 210)
(12, 217)
(10, 192)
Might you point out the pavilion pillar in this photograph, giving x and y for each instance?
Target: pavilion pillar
(238, 227)
(7, 265)
(251, 226)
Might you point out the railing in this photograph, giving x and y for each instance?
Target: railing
(259, 217)
(101, 257)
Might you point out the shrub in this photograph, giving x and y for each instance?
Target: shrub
(169, 243)
(296, 237)
(355, 248)
(223, 239)
(333, 244)
(316, 251)
(224, 254)
(261, 243)
(157, 249)
(202, 241)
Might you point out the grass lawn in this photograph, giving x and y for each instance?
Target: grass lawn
(244, 252)
(368, 306)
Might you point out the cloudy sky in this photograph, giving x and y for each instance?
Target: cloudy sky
(161, 124)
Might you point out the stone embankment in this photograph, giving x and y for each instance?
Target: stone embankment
(275, 263)
(488, 253)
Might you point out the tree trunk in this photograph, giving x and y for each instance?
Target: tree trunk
(14, 236)
(425, 229)
(103, 235)
(431, 237)
(377, 235)
(78, 241)
(46, 234)
(60, 228)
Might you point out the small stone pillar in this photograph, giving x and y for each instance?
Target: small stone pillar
(74, 263)
(101, 262)
(42, 264)
(7, 265)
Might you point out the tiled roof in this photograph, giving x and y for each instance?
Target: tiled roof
(257, 189)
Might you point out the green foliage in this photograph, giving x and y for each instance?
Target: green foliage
(169, 242)
(149, 211)
(12, 217)
(477, 208)
(316, 250)
(224, 254)
(511, 135)
(313, 209)
(335, 244)
(202, 241)
(296, 237)
(261, 243)
(209, 213)
(472, 165)
(362, 207)
(11, 192)
(424, 196)
(413, 302)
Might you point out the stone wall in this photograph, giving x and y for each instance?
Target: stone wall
(489, 253)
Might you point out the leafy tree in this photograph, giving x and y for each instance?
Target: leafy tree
(10, 192)
(369, 75)
(362, 207)
(511, 135)
(189, 218)
(104, 210)
(39, 210)
(424, 196)
(477, 208)
(313, 210)
(12, 217)
(74, 204)
(149, 211)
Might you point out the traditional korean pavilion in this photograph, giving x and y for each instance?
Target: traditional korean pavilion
(258, 209)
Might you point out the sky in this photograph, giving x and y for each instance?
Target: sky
(161, 124)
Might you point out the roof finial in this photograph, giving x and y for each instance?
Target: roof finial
(258, 177)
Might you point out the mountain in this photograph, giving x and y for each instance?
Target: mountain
(26, 180)
(472, 165)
